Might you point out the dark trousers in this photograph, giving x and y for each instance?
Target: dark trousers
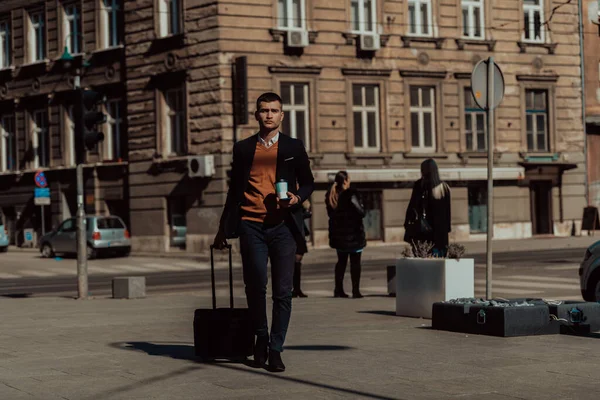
(340, 270)
(258, 244)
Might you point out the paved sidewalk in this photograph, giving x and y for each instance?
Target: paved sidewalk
(57, 348)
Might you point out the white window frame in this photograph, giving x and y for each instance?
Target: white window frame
(291, 111)
(36, 133)
(474, 112)
(109, 12)
(361, 17)
(114, 121)
(36, 36)
(166, 17)
(364, 110)
(5, 46)
(419, 24)
(534, 114)
(286, 22)
(72, 12)
(4, 142)
(169, 115)
(470, 6)
(530, 10)
(421, 110)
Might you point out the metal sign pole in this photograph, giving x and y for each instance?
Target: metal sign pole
(82, 271)
(43, 221)
(490, 194)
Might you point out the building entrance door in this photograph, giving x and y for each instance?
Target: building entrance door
(541, 207)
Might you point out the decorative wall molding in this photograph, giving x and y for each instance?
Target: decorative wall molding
(290, 69)
(538, 78)
(408, 40)
(406, 73)
(366, 72)
(460, 43)
(551, 47)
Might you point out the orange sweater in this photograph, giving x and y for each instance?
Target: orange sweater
(261, 201)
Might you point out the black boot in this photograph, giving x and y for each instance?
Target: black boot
(261, 351)
(275, 362)
(297, 292)
(340, 270)
(355, 270)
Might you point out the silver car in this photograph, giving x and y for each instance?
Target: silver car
(104, 235)
(589, 273)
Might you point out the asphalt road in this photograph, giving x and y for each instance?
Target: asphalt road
(549, 273)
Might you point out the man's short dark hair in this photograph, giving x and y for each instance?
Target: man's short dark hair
(268, 97)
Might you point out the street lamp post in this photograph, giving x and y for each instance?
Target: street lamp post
(82, 271)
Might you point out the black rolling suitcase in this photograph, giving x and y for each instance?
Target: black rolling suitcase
(223, 333)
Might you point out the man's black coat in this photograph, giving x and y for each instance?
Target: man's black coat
(293, 166)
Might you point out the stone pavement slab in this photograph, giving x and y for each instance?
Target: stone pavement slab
(58, 348)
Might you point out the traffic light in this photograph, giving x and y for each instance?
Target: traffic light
(87, 119)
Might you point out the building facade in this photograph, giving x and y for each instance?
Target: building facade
(36, 110)
(373, 87)
(591, 42)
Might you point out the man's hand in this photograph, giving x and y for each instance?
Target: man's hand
(290, 201)
(220, 241)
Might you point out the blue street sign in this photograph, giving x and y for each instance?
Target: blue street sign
(41, 192)
(28, 236)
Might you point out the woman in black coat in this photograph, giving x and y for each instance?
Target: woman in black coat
(346, 232)
(430, 200)
(301, 250)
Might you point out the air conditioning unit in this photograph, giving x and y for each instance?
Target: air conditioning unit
(297, 38)
(201, 166)
(369, 42)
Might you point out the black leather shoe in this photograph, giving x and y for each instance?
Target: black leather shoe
(298, 293)
(357, 295)
(275, 362)
(340, 293)
(261, 351)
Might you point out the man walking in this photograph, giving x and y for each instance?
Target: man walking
(268, 225)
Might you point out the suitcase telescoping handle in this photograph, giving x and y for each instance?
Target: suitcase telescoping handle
(212, 276)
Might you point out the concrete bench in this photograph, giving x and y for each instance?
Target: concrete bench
(129, 287)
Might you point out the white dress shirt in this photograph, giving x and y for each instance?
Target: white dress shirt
(271, 141)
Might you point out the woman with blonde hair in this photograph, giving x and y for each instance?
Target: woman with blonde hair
(346, 232)
(428, 216)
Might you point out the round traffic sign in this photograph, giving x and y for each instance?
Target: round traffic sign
(40, 179)
(479, 84)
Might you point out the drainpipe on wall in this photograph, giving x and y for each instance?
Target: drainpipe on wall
(585, 138)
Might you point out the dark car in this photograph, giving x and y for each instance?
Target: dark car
(589, 273)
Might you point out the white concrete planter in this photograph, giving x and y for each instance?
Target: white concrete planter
(420, 282)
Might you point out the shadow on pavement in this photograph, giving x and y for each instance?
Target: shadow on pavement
(176, 351)
(317, 347)
(186, 352)
(379, 312)
(17, 295)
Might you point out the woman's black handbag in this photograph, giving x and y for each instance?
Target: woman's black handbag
(419, 226)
